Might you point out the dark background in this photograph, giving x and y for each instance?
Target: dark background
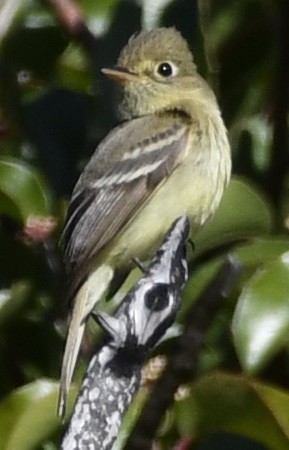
(55, 106)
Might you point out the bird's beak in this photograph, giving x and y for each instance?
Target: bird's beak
(119, 74)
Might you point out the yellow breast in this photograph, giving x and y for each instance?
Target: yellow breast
(194, 188)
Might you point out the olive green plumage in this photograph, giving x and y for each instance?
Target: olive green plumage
(170, 157)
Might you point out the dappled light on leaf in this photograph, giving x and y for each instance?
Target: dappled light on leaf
(234, 404)
(261, 321)
(27, 415)
(23, 189)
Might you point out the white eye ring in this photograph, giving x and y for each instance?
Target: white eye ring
(166, 69)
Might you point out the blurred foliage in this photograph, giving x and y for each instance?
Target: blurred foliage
(55, 107)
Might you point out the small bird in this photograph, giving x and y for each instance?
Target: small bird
(169, 156)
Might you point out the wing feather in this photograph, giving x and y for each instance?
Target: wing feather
(107, 195)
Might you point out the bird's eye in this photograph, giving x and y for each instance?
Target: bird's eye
(167, 69)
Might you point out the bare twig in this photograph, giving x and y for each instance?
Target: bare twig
(69, 14)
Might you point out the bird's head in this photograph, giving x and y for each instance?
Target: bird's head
(156, 72)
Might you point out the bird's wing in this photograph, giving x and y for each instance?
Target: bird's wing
(115, 184)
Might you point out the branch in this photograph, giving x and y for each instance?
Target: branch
(182, 366)
(113, 376)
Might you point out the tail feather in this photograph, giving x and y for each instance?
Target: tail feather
(88, 295)
(72, 346)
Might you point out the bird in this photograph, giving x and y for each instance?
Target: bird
(169, 156)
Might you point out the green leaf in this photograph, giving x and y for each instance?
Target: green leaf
(13, 300)
(260, 132)
(28, 415)
(8, 13)
(233, 404)
(261, 320)
(22, 191)
(261, 251)
(243, 212)
(252, 254)
(73, 70)
(99, 12)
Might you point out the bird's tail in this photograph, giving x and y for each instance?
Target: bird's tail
(88, 295)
